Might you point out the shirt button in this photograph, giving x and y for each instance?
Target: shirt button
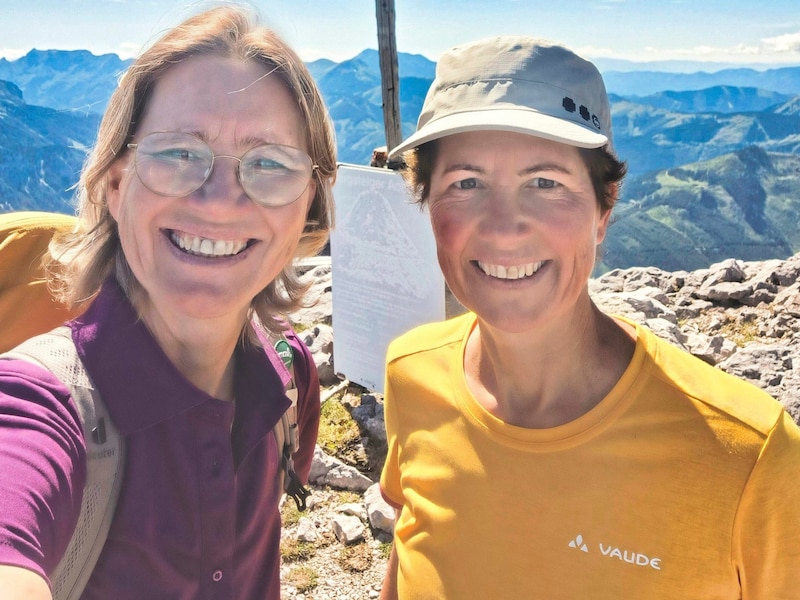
(217, 576)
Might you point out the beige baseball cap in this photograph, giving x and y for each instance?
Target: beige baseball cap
(519, 84)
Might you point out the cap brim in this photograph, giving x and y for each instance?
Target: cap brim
(514, 120)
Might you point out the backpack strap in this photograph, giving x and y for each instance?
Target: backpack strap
(105, 455)
(286, 431)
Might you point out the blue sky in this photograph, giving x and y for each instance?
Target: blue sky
(730, 31)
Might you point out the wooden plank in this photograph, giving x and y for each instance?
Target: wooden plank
(387, 50)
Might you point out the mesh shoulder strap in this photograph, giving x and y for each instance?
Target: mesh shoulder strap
(286, 431)
(55, 351)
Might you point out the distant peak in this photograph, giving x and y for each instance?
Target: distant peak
(10, 93)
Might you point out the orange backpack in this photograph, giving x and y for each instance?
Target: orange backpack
(26, 306)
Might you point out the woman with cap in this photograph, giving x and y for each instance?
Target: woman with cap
(539, 448)
(211, 174)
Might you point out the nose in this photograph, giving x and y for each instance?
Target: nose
(223, 182)
(504, 215)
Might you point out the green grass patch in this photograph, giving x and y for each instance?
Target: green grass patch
(348, 497)
(300, 327)
(289, 514)
(385, 550)
(303, 579)
(294, 550)
(740, 333)
(337, 429)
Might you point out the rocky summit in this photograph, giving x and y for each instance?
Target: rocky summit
(742, 317)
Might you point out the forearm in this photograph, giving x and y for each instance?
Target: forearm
(21, 584)
(389, 589)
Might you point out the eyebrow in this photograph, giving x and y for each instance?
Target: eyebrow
(252, 140)
(462, 167)
(545, 167)
(248, 140)
(536, 168)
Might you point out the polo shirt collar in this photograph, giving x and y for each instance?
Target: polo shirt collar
(128, 367)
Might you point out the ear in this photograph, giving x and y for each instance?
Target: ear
(602, 227)
(115, 176)
(605, 216)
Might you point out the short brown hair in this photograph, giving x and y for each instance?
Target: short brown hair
(86, 257)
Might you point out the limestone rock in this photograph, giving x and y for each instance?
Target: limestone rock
(328, 470)
(319, 297)
(381, 514)
(743, 317)
(319, 340)
(369, 415)
(354, 510)
(306, 531)
(347, 528)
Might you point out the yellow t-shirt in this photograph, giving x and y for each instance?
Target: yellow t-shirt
(681, 483)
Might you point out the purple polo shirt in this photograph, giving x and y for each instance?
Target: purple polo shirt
(198, 512)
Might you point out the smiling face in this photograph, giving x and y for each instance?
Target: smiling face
(206, 255)
(517, 225)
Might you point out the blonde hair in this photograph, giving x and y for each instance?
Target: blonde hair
(84, 258)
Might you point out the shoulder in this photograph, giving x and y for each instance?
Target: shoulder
(430, 337)
(725, 394)
(36, 408)
(41, 442)
(298, 345)
(31, 387)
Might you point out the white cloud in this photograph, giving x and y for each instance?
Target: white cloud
(784, 49)
(787, 43)
(12, 53)
(128, 50)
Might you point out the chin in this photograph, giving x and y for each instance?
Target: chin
(515, 319)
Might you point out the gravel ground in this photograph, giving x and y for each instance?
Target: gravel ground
(327, 569)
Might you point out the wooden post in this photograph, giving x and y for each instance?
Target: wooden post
(387, 50)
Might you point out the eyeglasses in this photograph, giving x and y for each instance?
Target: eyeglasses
(173, 163)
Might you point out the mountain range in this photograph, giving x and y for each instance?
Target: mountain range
(41, 152)
(742, 205)
(712, 156)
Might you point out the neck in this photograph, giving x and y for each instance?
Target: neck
(202, 350)
(551, 376)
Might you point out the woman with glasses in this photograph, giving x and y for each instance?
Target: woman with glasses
(212, 173)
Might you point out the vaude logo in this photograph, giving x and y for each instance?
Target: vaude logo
(578, 543)
(628, 556)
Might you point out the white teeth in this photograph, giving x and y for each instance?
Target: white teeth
(515, 272)
(204, 246)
